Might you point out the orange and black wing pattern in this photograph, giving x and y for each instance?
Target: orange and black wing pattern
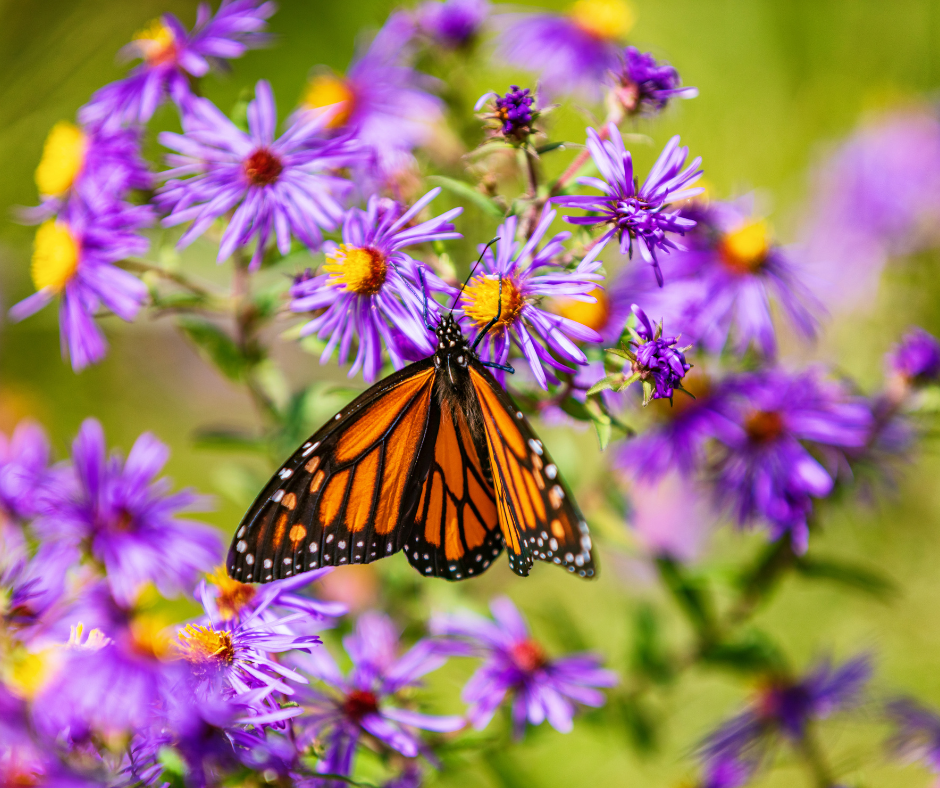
(537, 514)
(456, 533)
(347, 495)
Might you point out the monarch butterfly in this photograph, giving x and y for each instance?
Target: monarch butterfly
(435, 460)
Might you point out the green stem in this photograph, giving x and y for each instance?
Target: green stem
(143, 266)
(812, 757)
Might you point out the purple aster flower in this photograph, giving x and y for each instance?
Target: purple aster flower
(916, 358)
(640, 85)
(767, 471)
(728, 772)
(453, 23)
(512, 116)
(128, 520)
(572, 52)
(784, 708)
(917, 732)
(74, 256)
(654, 359)
(512, 282)
(273, 187)
(640, 214)
(364, 702)
(24, 469)
(35, 589)
(173, 56)
(541, 688)
(369, 287)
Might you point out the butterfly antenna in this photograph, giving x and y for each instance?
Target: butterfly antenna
(494, 321)
(474, 268)
(424, 289)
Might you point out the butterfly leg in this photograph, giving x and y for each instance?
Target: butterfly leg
(503, 367)
(494, 321)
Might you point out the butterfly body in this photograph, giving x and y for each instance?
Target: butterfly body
(435, 460)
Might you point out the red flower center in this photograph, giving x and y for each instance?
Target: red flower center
(763, 426)
(528, 655)
(359, 703)
(262, 167)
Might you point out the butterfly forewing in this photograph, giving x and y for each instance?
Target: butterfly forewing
(349, 493)
(537, 514)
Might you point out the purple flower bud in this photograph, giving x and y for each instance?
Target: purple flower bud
(916, 358)
(514, 113)
(658, 363)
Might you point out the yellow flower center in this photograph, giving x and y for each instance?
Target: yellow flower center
(26, 674)
(95, 641)
(149, 636)
(233, 596)
(593, 315)
(55, 256)
(204, 646)
(361, 270)
(605, 19)
(483, 300)
(745, 249)
(157, 43)
(328, 90)
(62, 158)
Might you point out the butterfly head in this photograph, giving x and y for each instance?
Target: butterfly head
(451, 344)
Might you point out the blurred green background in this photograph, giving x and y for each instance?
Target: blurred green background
(779, 83)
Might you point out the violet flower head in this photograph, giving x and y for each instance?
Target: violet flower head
(655, 360)
(74, 257)
(572, 52)
(35, 589)
(364, 702)
(172, 56)
(642, 215)
(641, 86)
(452, 23)
(916, 733)
(128, 519)
(541, 688)
(372, 291)
(279, 188)
(512, 115)
(511, 283)
(24, 470)
(766, 472)
(916, 358)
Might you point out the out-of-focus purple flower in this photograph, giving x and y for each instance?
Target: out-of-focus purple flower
(382, 103)
(409, 777)
(876, 196)
(24, 469)
(655, 360)
(512, 115)
(541, 688)
(364, 701)
(35, 589)
(279, 188)
(640, 85)
(728, 772)
(172, 56)
(452, 23)
(572, 52)
(917, 732)
(671, 517)
(766, 472)
(127, 520)
(370, 286)
(511, 283)
(73, 257)
(642, 215)
(916, 358)
(784, 708)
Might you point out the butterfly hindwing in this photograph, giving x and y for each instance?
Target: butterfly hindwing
(537, 513)
(456, 533)
(349, 493)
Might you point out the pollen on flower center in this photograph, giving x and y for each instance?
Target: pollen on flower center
(604, 19)
(763, 426)
(328, 90)
(204, 646)
(528, 655)
(484, 299)
(233, 596)
(157, 43)
(62, 158)
(149, 637)
(360, 270)
(587, 314)
(744, 250)
(262, 167)
(55, 256)
(359, 703)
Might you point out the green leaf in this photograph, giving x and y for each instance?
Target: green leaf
(604, 432)
(606, 383)
(843, 573)
(641, 727)
(550, 146)
(576, 409)
(753, 653)
(465, 190)
(216, 345)
(649, 657)
(691, 595)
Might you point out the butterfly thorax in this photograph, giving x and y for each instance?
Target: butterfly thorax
(451, 359)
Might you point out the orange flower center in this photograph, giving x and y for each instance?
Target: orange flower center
(484, 298)
(157, 44)
(328, 90)
(360, 270)
(359, 703)
(763, 426)
(587, 314)
(262, 168)
(233, 596)
(528, 655)
(744, 250)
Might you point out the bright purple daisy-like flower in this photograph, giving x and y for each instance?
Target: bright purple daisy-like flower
(916, 358)
(172, 56)
(642, 215)
(572, 52)
(73, 257)
(274, 187)
(541, 688)
(35, 589)
(127, 519)
(363, 702)
(511, 283)
(784, 708)
(640, 85)
(452, 23)
(24, 469)
(370, 288)
(767, 472)
(917, 732)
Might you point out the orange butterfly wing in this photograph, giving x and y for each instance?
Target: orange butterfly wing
(456, 533)
(537, 514)
(348, 494)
